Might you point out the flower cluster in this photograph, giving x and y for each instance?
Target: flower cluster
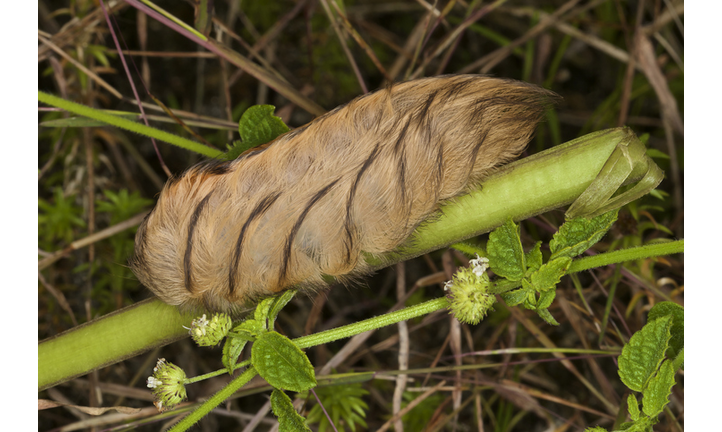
(168, 384)
(210, 333)
(468, 292)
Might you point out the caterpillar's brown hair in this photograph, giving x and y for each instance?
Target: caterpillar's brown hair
(358, 179)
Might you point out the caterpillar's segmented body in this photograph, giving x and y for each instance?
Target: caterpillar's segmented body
(358, 179)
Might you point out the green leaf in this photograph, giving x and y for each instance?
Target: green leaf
(232, 349)
(656, 395)
(549, 274)
(288, 419)
(530, 300)
(262, 309)
(547, 316)
(505, 253)
(534, 258)
(545, 299)
(513, 298)
(258, 126)
(633, 407)
(235, 150)
(281, 363)
(595, 429)
(248, 330)
(676, 343)
(579, 234)
(644, 352)
(279, 303)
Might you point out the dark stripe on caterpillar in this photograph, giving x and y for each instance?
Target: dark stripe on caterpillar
(258, 211)
(351, 195)
(189, 242)
(292, 235)
(423, 119)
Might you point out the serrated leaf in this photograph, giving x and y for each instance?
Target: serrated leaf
(549, 274)
(279, 303)
(232, 349)
(545, 299)
(656, 396)
(288, 419)
(547, 316)
(258, 125)
(505, 253)
(260, 314)
(579, 234)
(633, 407)
(281, 363)
(644, 352)
(534, 258)
(513, 298)
(248, 330)
(676, 342)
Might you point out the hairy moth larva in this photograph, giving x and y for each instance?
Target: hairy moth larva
(359, 178)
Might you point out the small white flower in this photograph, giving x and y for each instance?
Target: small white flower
(479, 265)
(198, 327)
(447, 285)
(154, 382)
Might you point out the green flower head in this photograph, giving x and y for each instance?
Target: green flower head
(168, 386)
(210, 333)
(468, 292)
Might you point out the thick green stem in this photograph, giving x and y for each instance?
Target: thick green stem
(109, 339)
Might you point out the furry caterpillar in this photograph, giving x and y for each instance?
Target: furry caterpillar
(358, 179)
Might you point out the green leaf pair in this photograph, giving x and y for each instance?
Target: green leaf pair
(648, 364)
(650, 359)
(539, 281)
(278, 360)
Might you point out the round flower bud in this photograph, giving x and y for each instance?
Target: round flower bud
(168, 385)
(210, 333)
(468, 293)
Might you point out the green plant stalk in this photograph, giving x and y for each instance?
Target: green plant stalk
(109, 339)
(605, 259)
(215, 400)
(123, 123)
(519, 190)
(372, 323)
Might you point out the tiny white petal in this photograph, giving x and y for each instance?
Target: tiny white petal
(154, 382)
